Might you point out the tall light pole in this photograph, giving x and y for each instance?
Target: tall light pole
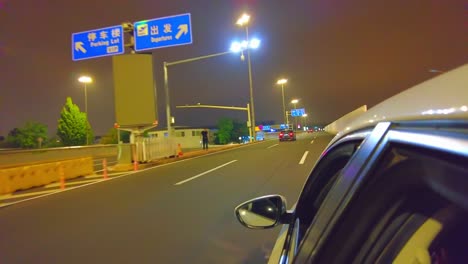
(282, 82)
(85, 80)
(243, 21)
(235, 47)
(304, 116)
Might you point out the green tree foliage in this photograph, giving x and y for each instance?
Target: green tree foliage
(111, 137)
(31, 135)
(240, 129)
(230, 130)
(73, 125)
(225, 128)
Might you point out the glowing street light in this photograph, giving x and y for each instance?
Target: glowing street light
(237, 46)
(282, 82)
(85, 80)
(243, 21)
(294, 102)
(254, 43)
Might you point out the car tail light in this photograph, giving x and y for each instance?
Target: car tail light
(290, 134)
(281, 134)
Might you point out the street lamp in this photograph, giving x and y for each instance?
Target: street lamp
(304, 116)
(294, 102)
(235, 47)
(282, 82)
(85, 80)
(243, 21)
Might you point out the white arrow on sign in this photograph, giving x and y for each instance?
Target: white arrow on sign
(183, 29)
(79, 47)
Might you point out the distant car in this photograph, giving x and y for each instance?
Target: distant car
(287, 135)
(391, 187)
(260, 136)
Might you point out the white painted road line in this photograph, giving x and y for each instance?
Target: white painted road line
(30, 194)
(273, 146)
(203, 173)
(94, 176)
(304, 157)
(57, 184)
(312, 142)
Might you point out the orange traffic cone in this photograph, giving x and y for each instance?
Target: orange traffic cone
(104, 168)
(179, 151)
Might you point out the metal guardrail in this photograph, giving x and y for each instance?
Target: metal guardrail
(143, 150)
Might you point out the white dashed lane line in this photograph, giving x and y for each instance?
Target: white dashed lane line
(304, 157)
(206, 172)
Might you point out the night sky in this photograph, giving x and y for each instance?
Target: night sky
(337, 55)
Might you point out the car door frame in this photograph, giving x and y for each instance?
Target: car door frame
(288, 237)
(357, 170)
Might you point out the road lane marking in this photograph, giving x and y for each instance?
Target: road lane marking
(312, 142)
(57, 184)
(203, 173)
(304, 157)
(14, 196)
(273, 146)
(101, 176)
(2, 204)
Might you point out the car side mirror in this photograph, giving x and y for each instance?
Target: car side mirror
(262, 212)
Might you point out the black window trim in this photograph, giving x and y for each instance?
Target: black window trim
(286, 251)
(341, 195)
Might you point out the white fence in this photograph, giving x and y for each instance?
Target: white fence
(148, 149)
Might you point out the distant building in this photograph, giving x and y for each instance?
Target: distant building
(187, 137)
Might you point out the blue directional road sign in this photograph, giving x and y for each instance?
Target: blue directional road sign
(97, 43)
(297, 112)
(162, 32)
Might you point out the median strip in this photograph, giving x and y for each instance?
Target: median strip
(304, 157)
(203, 173)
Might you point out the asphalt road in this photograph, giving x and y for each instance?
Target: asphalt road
(180, 212)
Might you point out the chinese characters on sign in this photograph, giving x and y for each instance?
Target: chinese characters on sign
(297, 112)
(162, 32)
(148, 34)
(97, 43)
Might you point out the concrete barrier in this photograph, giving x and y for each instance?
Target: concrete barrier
(28, 176)
(23, 157)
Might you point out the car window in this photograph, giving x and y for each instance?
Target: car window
(320, 181)
(405, 190)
